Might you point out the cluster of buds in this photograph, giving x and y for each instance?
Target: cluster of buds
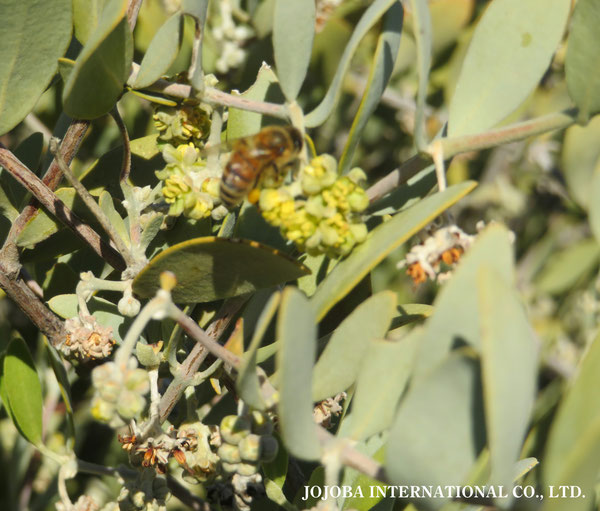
(320, 211)
(147, 493)
(229, 37)
(189, 186)
(86, 339)
(119, 392)
(183, 124)
(444, 246)
(154, 452)
(330, 407)
(245, 442)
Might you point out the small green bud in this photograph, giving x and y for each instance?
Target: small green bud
(230, 468)
(249, 448)
(229, 453)
(268, 448)
(247, 469)
(234, 428)
(261, 423)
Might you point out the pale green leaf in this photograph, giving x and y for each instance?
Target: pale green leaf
(118, 224)
(35, 34)
(582, 64)
(456, 319)
(382, 240)
(161, 53)
(379, 75)
(339, 364)
(23, 390)
(509, 372)
(297, 331)
(381, 382)
(102, 67)
(439, 430)
(293, 34)
(373, 13)
(572, 455)
(86, 15)
(580, 156)
(510, 51)
(569, 266)
(595, 204)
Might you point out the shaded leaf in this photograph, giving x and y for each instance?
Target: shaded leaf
(118, 224)
(379, 75)
(86, 15)
(582, 64)
(293, 34)
(339, 364)
(63, 383)
(102, 67)
(509, 372)
(211, 268)
(34, 36)
(375, 11)
(297, 332)
(508, 55)
(23, 390)
(573, 446)
(382, 240)
(161, 53)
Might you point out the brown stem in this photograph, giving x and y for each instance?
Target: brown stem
(42, 317)
(198, 354)
(58, 209)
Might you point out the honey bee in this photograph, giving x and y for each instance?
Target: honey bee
(273, 147)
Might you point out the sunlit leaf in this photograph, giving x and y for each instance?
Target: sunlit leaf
(508, 55)
(582, 64)
(573, 448)
(86, 15)
(102, 67)
(339, 364)
(297, 332)
(34, 36)
(293, 33)
(161, 53)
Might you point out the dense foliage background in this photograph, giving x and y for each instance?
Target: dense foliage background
(455, 344)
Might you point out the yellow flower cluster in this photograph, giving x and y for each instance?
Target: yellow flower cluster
(321, 211)
(182, 124)
(188, 186)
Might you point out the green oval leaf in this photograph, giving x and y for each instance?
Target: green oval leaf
(86, 14)
(582, 64)
(383, 240)
(573, 446)
(338, 365)
(297, 332)
(108, 208)
(439, 430)
(212, 268)
(381, 381)
(375, 11)
(101, 69)
(386, 52)
(161, 53)
(23, 390)
(34, 35)
(568, 267)
(293, 34)
(510, 51)
(509, 372)
(580, 155)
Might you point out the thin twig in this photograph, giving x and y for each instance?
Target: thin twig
(41, 316)
(92, 205)
(190, 365)
(126, 162)
(58, 209)
(213, 96)
(397, 177)
(132, 12)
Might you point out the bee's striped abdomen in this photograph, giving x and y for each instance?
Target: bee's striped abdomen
(238, 177)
